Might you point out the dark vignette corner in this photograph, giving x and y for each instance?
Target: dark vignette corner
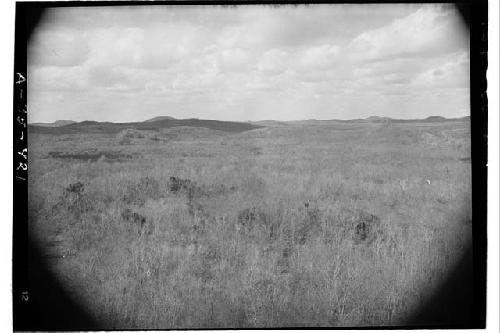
(39, 300)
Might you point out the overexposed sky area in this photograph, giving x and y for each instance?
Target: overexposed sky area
(249, 62)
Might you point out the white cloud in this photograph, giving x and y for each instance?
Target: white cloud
(318, 57)
(63, 48)
(274, 61)
(154, 47)
(452, 73)
(430, 30)
(235, 59)
(57, 78)
(248, 62)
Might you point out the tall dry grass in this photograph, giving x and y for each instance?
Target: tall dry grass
(289, 226)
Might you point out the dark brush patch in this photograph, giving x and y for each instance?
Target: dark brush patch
(93, 156)
(144, 226)
(138, 193)
(366, 228)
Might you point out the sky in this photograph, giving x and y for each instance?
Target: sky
(248, 63)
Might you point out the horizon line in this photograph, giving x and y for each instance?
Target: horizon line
(243, 121)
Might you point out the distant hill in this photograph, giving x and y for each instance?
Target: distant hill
(113, 128)
(157, 123)
(377, 119)
(57, 123)
(435, 119)
(269, 123)
(159, 118)
(431, 119)
(315, 122)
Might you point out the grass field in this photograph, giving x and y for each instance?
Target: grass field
(347, 224)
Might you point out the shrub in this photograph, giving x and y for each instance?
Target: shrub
(146, 188)
(124, 141)
(367, 227)
(247, 217)
(154, 137)
(137, 219)
(74, 201)
(176, 185)
(125, 136)
(76, 188)
(286, 251)
(309, 225)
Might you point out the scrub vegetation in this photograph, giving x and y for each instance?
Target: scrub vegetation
(324, 224)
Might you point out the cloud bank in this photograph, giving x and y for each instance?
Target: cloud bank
(249, 62)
